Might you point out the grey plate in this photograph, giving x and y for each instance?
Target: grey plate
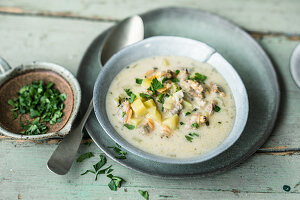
(245, 55)
(295, 65)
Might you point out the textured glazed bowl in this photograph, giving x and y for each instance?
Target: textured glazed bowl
(162, 46)
(7, 73)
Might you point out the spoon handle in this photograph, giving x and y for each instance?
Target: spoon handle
(62, 158)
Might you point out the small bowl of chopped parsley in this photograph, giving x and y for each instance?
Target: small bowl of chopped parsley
(38, 101)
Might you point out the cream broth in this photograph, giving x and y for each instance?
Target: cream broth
(202, 111)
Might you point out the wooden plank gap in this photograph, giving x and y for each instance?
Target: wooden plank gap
(66, 15)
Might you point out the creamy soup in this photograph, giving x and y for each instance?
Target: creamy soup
(171, 106)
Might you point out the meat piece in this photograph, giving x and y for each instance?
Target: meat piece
(167, 131)
(183, 74)
(210, 107)
(195, 118)
(127, 110)
(192, 88)
(149, 126)
(217, 89)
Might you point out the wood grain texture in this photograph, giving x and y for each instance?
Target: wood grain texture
(24, 172)
(254, 15)
(64, 41)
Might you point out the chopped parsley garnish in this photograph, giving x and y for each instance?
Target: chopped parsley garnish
(199, 77)
(181, 123)
(97, 166)
(123, 114)
(155, 85)
(187, 113)
(84, 156)
(138, 81)
(103, 171)
(40, 101)
(88, 171)
(34, 127)
(175, 80)
(147, 96)
(130, 94)
(216, 108)
(191, 136)
(100, 164)
(164, 79)
(115, 182)
(129, 126)
(119, 151)
(177, 71)
(144, 194)
(188, 138)
(160, 98)
(195, 125)
(286, 188)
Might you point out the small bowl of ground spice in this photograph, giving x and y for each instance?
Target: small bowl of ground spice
(37, 100)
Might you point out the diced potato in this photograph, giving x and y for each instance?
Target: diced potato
(187, 105)
(154, 114)
(169, 103)
(149, 103)
(166, 62)
(171, 122)
(135, 121)
(139, 107)
(146, 83)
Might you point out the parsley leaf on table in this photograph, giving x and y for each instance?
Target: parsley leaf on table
(144, 194)
(84, 156)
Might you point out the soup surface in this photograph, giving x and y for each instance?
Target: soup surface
(171, 106)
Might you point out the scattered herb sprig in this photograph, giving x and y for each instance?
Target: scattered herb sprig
(144, 194)
(84, 156)
(117, 149)
(191, 136)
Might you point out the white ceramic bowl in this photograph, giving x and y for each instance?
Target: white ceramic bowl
(163, 46)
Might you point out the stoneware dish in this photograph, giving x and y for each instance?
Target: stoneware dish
(169, 45)
(12, 79)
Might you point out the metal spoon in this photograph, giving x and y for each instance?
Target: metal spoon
(127, 32)
(295, 65)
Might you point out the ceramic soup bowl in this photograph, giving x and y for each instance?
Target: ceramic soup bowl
(163, 46)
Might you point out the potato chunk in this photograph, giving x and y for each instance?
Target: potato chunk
(154, 114)
(187, 105)
(139, 107)
(166, 62)
(171, 122)
(149, 103)
(169, 102)
(135, 121)
(146, 83)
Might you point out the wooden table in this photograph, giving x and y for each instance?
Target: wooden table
(60, 31)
